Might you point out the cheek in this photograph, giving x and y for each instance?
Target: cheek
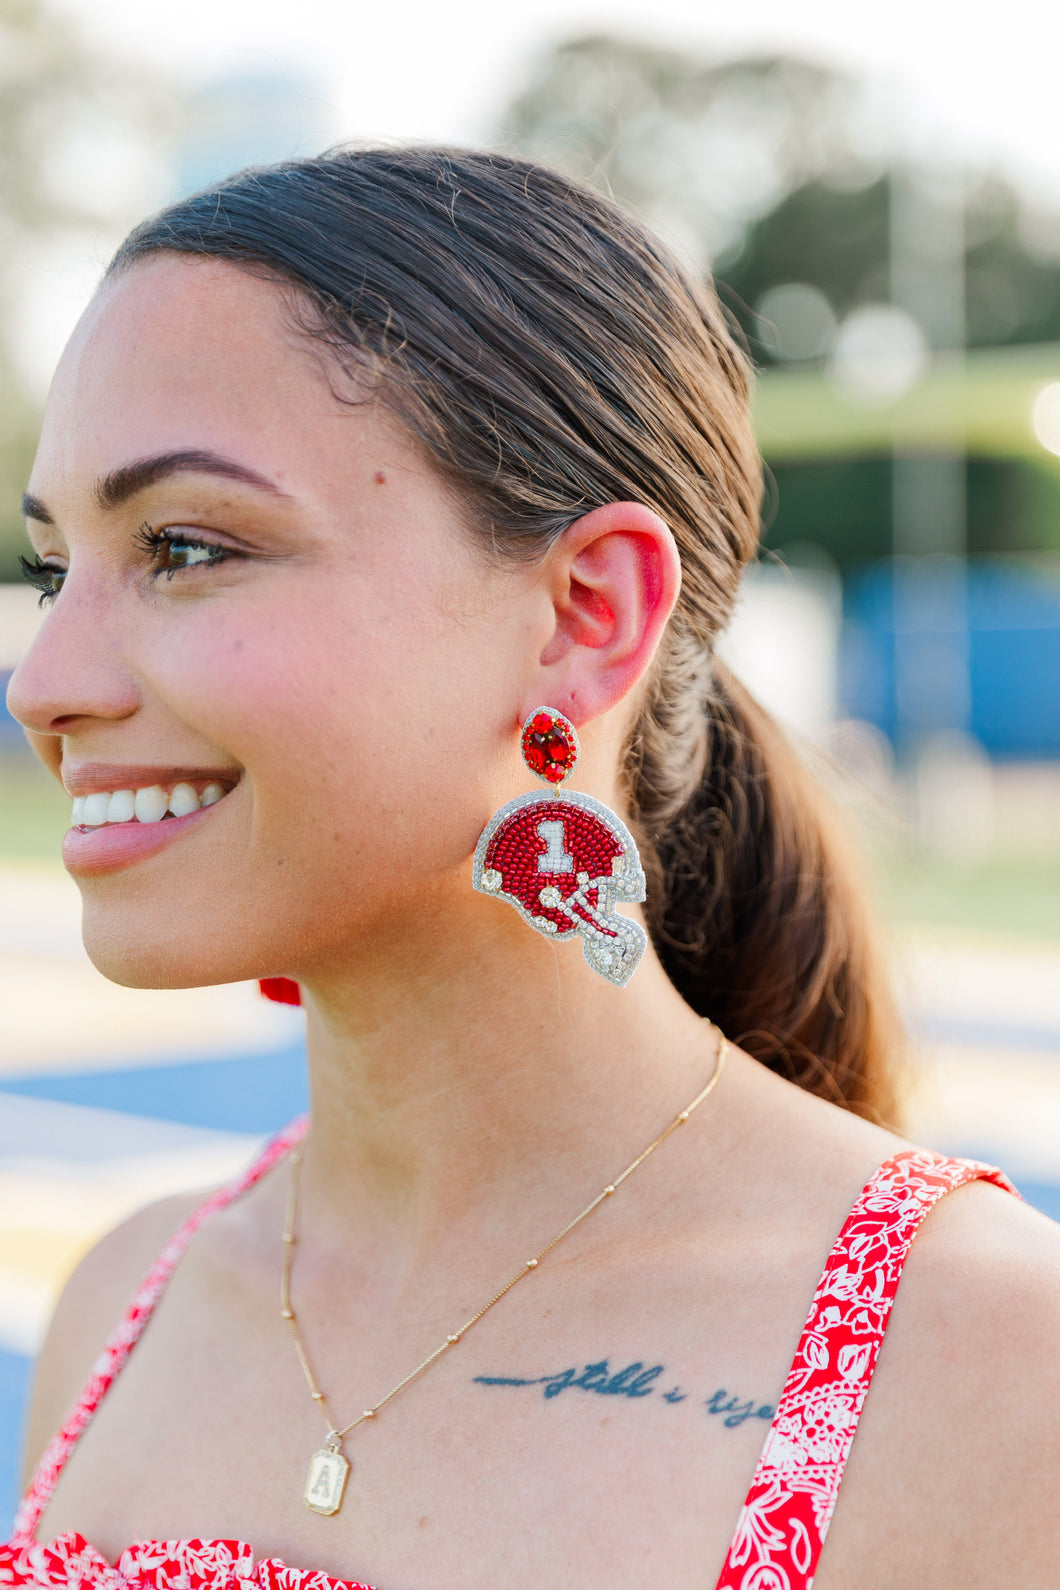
(363, 742)
(374, 749)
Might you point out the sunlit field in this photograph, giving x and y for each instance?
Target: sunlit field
(34, 811)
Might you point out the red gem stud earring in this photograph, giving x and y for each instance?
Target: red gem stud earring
(564, 860)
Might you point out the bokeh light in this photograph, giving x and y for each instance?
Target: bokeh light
(1045, 417)
(880, 354)
(795, 321)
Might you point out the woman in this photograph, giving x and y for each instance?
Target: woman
(353, 467)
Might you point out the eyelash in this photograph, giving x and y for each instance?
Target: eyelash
(40, 575)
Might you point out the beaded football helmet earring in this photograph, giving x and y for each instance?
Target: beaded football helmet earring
(564, 860)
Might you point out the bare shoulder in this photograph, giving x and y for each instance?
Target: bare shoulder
(89, 1308)
(953, 1476)
(961, 1421)
(987, 1268)
(981, 1222)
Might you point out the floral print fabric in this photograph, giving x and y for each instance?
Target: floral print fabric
(789, 1507)
(70, 1562)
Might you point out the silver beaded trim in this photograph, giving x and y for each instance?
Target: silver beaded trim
(614, 958)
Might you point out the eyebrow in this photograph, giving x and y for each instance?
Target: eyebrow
(33, 508)
(121, 484)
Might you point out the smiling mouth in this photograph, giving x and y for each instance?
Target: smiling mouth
(151, 804)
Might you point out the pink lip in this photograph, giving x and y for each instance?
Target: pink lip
(87, 851)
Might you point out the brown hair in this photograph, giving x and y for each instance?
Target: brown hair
(553, 357)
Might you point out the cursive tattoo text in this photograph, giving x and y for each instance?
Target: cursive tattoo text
(634, 1381)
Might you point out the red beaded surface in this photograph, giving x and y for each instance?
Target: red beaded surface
(518, 845)
(550, 745)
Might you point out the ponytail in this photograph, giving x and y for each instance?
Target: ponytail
(758, 918)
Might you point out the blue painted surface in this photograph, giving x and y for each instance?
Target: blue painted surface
(984, 1034)
(11, 735)
(255, 1093)
(1012, 613)
(14, 1389)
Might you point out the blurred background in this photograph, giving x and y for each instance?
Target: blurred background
(879, 198)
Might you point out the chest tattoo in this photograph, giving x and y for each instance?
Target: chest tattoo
(634, 1381)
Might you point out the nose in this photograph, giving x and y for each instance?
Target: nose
(74, 670)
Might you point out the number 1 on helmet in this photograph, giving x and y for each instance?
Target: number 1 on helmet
(564, 860)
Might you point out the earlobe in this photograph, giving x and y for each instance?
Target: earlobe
(615, 577)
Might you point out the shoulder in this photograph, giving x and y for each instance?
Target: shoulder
(961, 1421)
(90, 1307)
(980, 1225)
(985, 1270)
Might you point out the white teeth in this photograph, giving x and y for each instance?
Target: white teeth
(120, 806)
(184, 800)
(94, 811)
(151, 804)
(148, 805)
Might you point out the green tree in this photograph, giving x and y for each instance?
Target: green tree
(760, 169)
(699, 148)
(838, 239)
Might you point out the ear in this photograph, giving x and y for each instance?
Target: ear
(613, 577)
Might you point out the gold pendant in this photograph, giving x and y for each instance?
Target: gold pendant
(326, 1481)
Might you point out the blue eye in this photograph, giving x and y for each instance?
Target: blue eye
(182, 554)
(173, 550)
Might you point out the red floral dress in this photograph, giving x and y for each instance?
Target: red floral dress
(784, 1521)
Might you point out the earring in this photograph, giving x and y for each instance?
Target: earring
(284, 990)
(564, 860)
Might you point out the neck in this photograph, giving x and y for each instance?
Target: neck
(475, 1069)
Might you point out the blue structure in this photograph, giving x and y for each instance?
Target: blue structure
(999, 620)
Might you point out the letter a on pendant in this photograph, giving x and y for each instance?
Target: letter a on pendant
(326, 1481)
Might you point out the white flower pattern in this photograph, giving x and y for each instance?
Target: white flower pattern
(782, 1526)
(798, 1475)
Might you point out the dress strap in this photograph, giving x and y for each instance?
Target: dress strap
(782, 1528)
(130, 1329)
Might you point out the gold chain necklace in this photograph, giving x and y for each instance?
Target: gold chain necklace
(328, 1468)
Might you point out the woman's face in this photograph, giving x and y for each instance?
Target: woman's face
(321, 637)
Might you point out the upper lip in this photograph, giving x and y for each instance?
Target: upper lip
(91, 778)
